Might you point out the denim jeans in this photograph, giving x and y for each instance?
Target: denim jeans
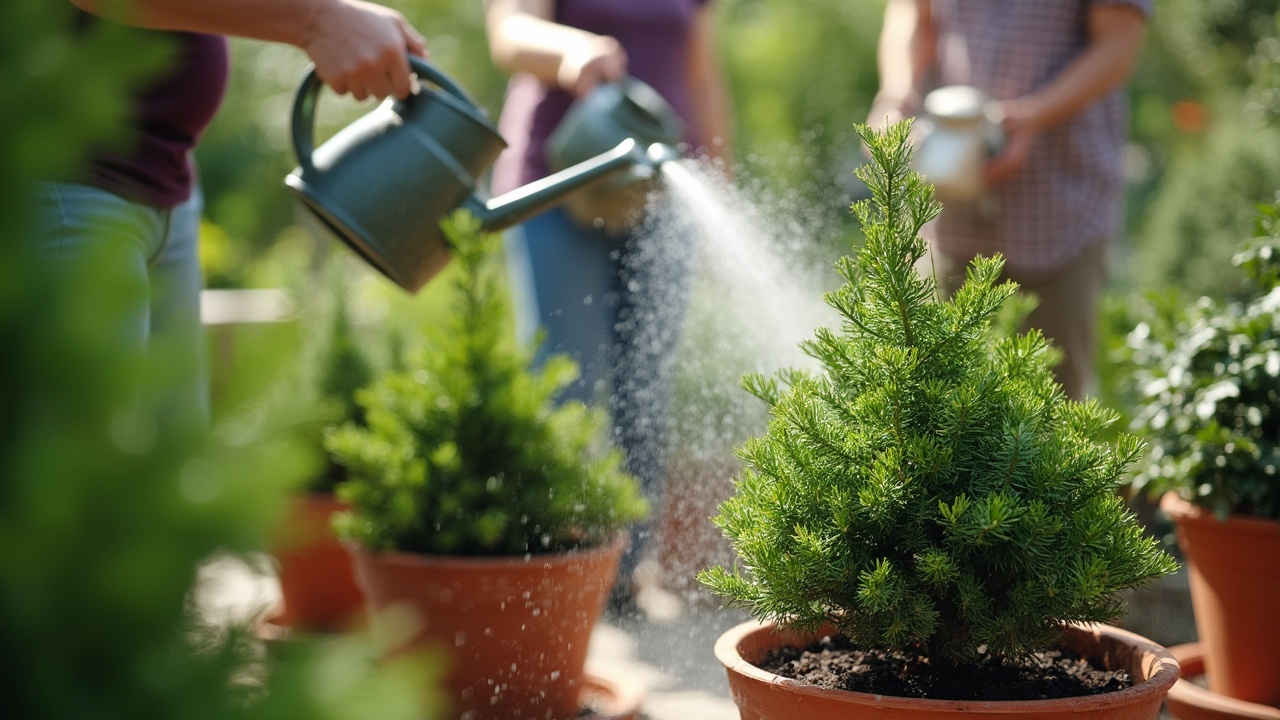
(615, 305)
(152, 255)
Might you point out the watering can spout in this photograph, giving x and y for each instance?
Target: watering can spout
(523, 203)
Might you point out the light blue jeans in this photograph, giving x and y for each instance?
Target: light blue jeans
(615, 305)
(152, 255)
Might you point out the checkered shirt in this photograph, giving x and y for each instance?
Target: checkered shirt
(1070, 192)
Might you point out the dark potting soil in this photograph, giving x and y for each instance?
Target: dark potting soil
(834, 663)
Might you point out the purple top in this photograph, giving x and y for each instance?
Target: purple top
(153, 166)
(655, 35)
(1070, 193)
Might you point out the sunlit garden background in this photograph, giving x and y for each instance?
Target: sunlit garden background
(1205, 152)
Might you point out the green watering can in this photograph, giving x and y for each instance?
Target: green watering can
(627, 108)
(383, 183)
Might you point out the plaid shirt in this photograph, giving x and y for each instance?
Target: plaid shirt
(1070, 193)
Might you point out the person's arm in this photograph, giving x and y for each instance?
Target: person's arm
(357, 47)
(523, 37)
(707, 88)
(903, 56)
(1115, 37)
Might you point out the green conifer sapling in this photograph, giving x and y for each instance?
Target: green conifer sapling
(930, 489)
(466, 450)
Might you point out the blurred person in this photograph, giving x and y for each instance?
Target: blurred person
(142, 196)
(613, 300)
(1056, 70)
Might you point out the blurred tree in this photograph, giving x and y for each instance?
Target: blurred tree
(105, 515)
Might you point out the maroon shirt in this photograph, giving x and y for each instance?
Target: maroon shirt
(153, 164)
(655, 34)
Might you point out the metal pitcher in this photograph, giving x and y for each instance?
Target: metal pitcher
(609, 114)
(960, 134)
(383, 183)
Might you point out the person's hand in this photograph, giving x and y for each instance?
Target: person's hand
(599, 59)
(888, 109)
(1019, 134)
(361, 48)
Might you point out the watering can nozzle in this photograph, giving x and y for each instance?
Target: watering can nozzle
(659, 153)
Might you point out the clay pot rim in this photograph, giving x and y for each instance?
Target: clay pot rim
(539, 560)
(1197, 702)
(1157, 683)
(1181, 510)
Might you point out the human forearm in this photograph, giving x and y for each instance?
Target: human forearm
(287, 21)
(903, 55)
(1116, 34)
(357, 47)
(708, 91)
(524, 38)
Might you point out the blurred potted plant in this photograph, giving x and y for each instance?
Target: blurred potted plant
(1208, 382)
(931, 497)
(490, 512)
(318, 589)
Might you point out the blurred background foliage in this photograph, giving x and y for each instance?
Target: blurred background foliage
(107, 513)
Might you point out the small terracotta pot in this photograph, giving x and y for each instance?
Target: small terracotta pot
(761, 695)
(317, 583)
(1233, 567)
(1189, 701)
(516, 629)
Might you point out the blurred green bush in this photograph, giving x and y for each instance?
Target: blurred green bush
(106, 514)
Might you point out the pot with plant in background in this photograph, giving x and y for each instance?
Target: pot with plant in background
(931, 500)
(1208, 374)
(485, 517)
(317, 583)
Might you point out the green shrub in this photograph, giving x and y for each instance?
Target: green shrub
(466, 451)
(1207, 376)
(105, 513)
(931, 487)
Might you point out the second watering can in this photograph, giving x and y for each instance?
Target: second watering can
(383, 183)
(609, 114)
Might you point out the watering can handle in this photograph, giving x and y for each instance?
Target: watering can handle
(304, 104)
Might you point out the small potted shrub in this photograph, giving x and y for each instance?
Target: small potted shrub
(317, 584)
(1207, 378)
(485, 516)
(931, 500)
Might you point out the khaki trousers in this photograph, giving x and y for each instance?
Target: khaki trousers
(1067, 313)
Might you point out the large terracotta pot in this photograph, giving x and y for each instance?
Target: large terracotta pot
(1189, 701)
(516, 628)
(317, 583)
(761, 695)
(1234, 571)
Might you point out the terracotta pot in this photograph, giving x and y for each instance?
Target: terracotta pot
(1189, 701)
(516, 628)
(1234, 571)
(761, 695)
(317, 583)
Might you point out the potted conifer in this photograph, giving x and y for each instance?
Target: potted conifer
(1207, 376)
(485, 516)
(931, 498)
(317, 584)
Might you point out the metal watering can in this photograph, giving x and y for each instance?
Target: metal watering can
(383, 183)
(594, 124)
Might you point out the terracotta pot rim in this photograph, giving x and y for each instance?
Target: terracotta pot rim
(1181, 510)
(493, 561)
(1158, 683)
(1199, 702)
